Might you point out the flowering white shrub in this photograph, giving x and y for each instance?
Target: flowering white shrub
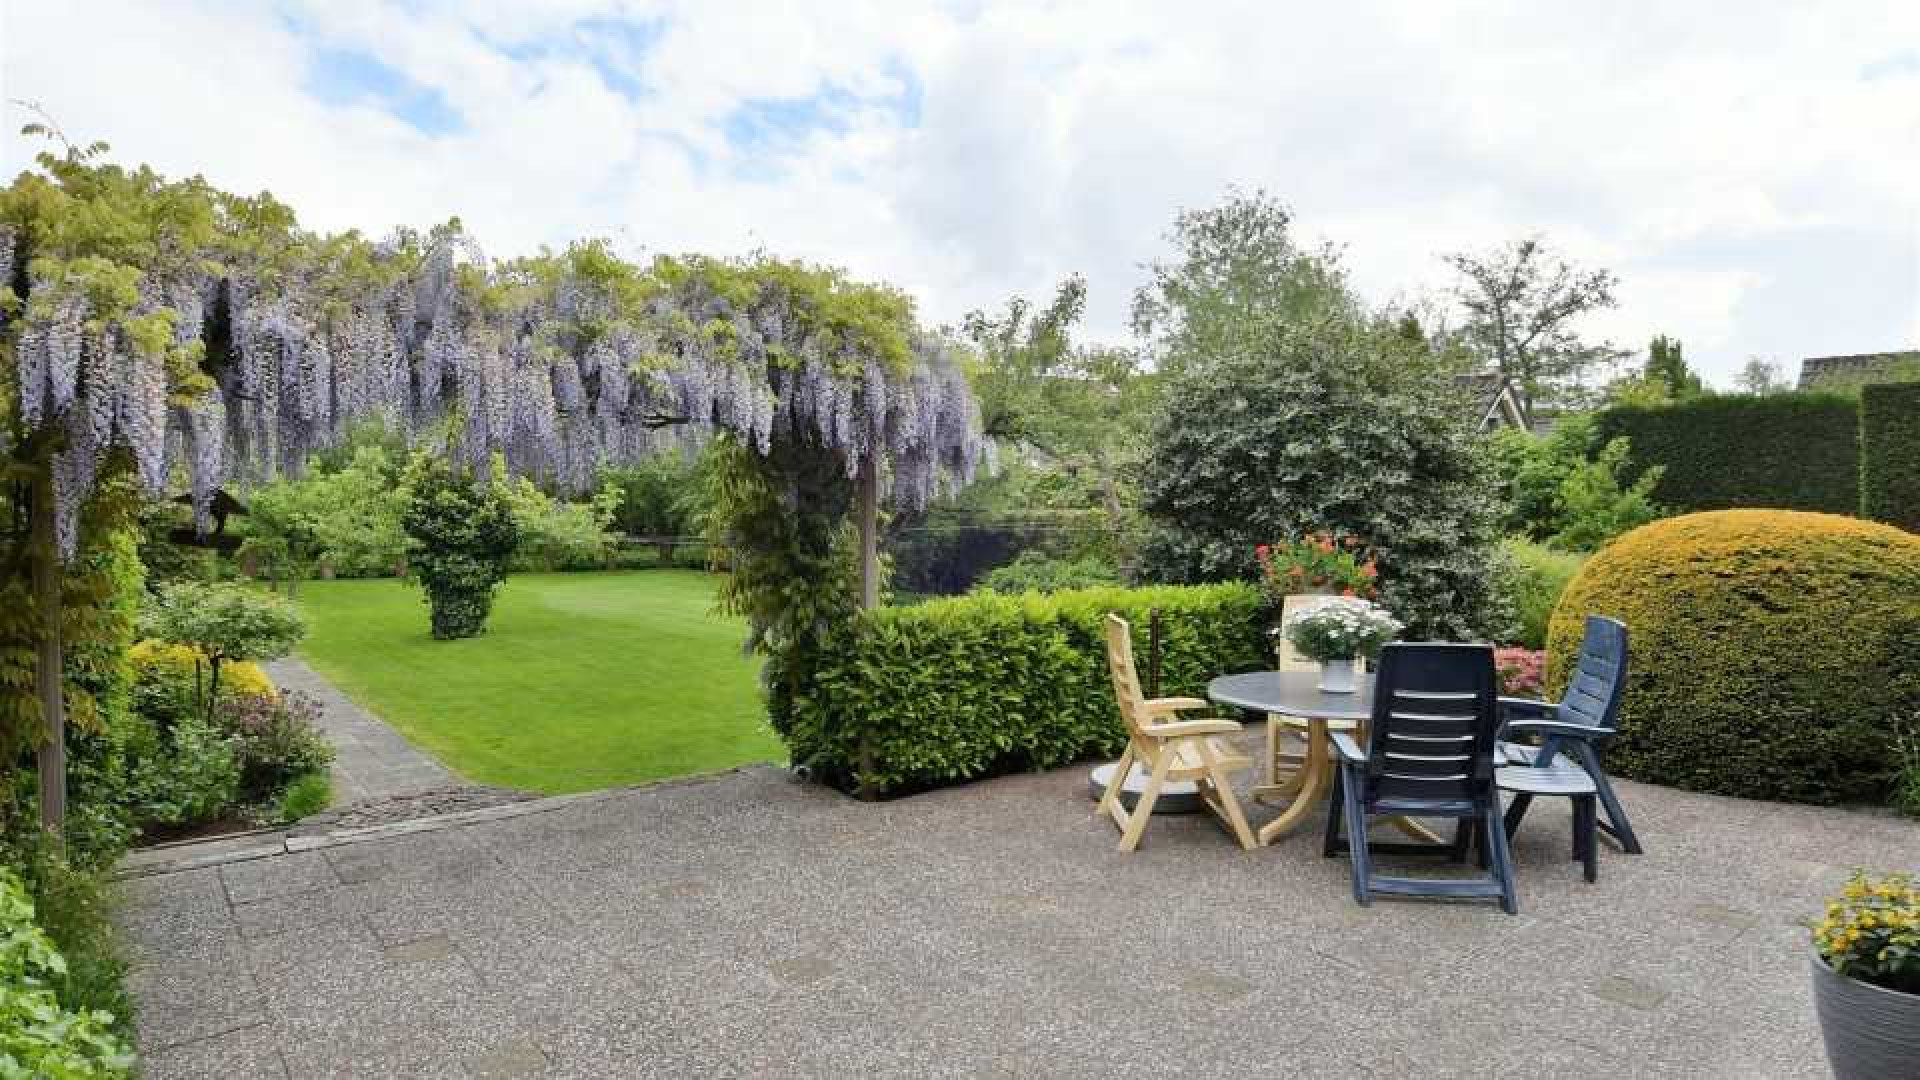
(1341, 628)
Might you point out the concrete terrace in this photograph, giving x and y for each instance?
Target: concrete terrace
(748, 925)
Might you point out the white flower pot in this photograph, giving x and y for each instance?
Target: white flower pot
(1336, 676)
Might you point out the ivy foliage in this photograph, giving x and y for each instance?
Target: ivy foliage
(1342, 427)
(461, 534)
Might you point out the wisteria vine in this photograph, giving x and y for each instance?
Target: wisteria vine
(559, 365)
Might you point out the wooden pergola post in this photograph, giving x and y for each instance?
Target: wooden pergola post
(49, 663)
(867, 508)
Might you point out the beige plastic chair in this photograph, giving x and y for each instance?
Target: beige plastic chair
(1170, 749)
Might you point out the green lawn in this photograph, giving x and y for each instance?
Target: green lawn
(581, 681)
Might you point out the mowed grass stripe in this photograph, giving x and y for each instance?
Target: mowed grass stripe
(581, 681)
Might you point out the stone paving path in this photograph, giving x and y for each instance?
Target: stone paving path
(750, 925)
(372, 760)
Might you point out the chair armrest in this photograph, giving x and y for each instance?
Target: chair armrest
(1555, 727)
(1191, 727)
(1349, 751)
(1176, 704)
(1523, 706)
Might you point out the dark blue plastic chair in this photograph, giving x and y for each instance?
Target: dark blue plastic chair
(1577, 726)
(1429, 754)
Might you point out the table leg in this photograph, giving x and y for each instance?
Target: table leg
(1273, 785)
(1315, 773)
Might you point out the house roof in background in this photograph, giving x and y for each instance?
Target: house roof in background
(1819, 371)
(1497, 401)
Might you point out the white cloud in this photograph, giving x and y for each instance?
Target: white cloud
(1750, 174)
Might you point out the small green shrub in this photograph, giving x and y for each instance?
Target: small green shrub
(461, 534)
(965, 687)
(41, 1034)
(306, 796)
(1790, 451)
(1890, 454)
(1774, 653)
(182, 777)
(225, 623)
(1035, 571)
(1533, 577)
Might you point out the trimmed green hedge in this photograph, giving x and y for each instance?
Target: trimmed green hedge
(1775, 654)
(972, 686)
(1782, 451)
(1890, 454)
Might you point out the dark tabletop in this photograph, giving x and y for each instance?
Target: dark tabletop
(1292, 693)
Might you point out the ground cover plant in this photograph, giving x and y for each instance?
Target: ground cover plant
(582, 681)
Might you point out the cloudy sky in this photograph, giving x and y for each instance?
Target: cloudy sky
(1751, 171)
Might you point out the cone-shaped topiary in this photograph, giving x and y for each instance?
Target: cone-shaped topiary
(1774, 653)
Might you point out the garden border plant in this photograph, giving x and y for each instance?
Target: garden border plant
(906, 699)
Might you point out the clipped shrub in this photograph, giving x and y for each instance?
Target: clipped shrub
(966, 687)
(1036, 571)
(1890, 454)
(1773, 652)
(461, 532)
(39, 1034)
(1791, 451)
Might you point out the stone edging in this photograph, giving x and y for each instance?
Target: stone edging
(264, 844)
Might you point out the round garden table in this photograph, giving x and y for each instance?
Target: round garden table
(1293, 700)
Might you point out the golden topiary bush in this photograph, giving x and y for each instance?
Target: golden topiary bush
(1774, 653)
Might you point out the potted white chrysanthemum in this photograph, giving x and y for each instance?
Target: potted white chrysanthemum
(1337, 631)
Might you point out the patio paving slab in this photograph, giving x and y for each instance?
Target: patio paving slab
(746, 924)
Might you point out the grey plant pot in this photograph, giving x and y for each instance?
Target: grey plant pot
(1871, 1033)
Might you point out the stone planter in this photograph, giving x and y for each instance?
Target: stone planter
(1871, 1033)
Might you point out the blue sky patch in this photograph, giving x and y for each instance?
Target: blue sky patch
(351, 77)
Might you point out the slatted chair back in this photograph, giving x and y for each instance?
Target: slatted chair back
(1435, 717)
(1600, 678)
(1126, 682)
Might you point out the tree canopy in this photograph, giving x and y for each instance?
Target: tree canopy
(1522, 302)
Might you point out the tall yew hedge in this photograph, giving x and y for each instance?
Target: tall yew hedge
(1784, 451)
(1890, 454)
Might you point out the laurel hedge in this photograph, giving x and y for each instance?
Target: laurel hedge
(973, 686)
(1774, 652)
(1890, 454)
(1787, 451)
